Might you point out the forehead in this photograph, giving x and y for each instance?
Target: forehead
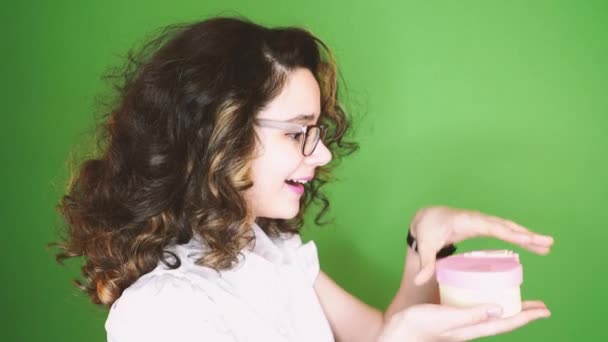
(299, 101)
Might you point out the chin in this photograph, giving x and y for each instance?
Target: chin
(286, 213)
(289, 214)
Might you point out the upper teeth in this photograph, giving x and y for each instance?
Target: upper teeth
(301, 181)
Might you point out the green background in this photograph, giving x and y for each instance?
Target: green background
(498, 106)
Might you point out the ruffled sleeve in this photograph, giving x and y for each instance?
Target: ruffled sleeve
(304, 256)
(165, 307)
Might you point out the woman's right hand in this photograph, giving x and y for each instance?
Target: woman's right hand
(433, 323)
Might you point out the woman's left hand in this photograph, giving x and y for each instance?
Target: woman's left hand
(436, 227)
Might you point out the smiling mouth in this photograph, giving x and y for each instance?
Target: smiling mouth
(297, 186)
(296, 181)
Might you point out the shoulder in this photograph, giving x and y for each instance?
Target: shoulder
(303, 254)
(165, 306)
(169, 289)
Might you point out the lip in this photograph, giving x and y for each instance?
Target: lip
(297, 188)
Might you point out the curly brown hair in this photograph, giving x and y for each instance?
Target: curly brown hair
(176, 146)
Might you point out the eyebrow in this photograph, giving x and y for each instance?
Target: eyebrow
(302, 118)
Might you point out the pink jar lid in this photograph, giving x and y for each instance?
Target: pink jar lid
(481, 270)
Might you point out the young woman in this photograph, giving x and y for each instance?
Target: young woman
(220, 138)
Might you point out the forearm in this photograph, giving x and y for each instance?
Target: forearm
(410, 294)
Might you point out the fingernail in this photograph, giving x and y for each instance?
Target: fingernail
(545, 314)
(495, 312)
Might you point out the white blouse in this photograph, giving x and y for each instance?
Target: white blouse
(268, 297)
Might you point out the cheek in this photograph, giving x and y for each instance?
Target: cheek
(278, 160)
(277, 165)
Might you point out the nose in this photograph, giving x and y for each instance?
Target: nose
(320, 156)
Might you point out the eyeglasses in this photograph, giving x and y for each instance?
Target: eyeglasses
(312, 133)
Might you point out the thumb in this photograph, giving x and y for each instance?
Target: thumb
(427, 264)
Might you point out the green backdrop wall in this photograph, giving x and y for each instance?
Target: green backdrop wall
(498, 106)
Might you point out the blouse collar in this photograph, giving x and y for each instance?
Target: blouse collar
(265, 247)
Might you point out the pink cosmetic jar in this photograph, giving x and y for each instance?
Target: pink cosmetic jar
(481, 277)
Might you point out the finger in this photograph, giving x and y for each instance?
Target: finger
(533, 242)
(533, 238)
(427, 263)
(542, 240)
(533, 312)
(451, 318)
(511, 224)
(538, 249)
(499, 231)
(491, 226)
(533, 304)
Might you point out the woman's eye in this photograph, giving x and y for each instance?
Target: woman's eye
(295, 136)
